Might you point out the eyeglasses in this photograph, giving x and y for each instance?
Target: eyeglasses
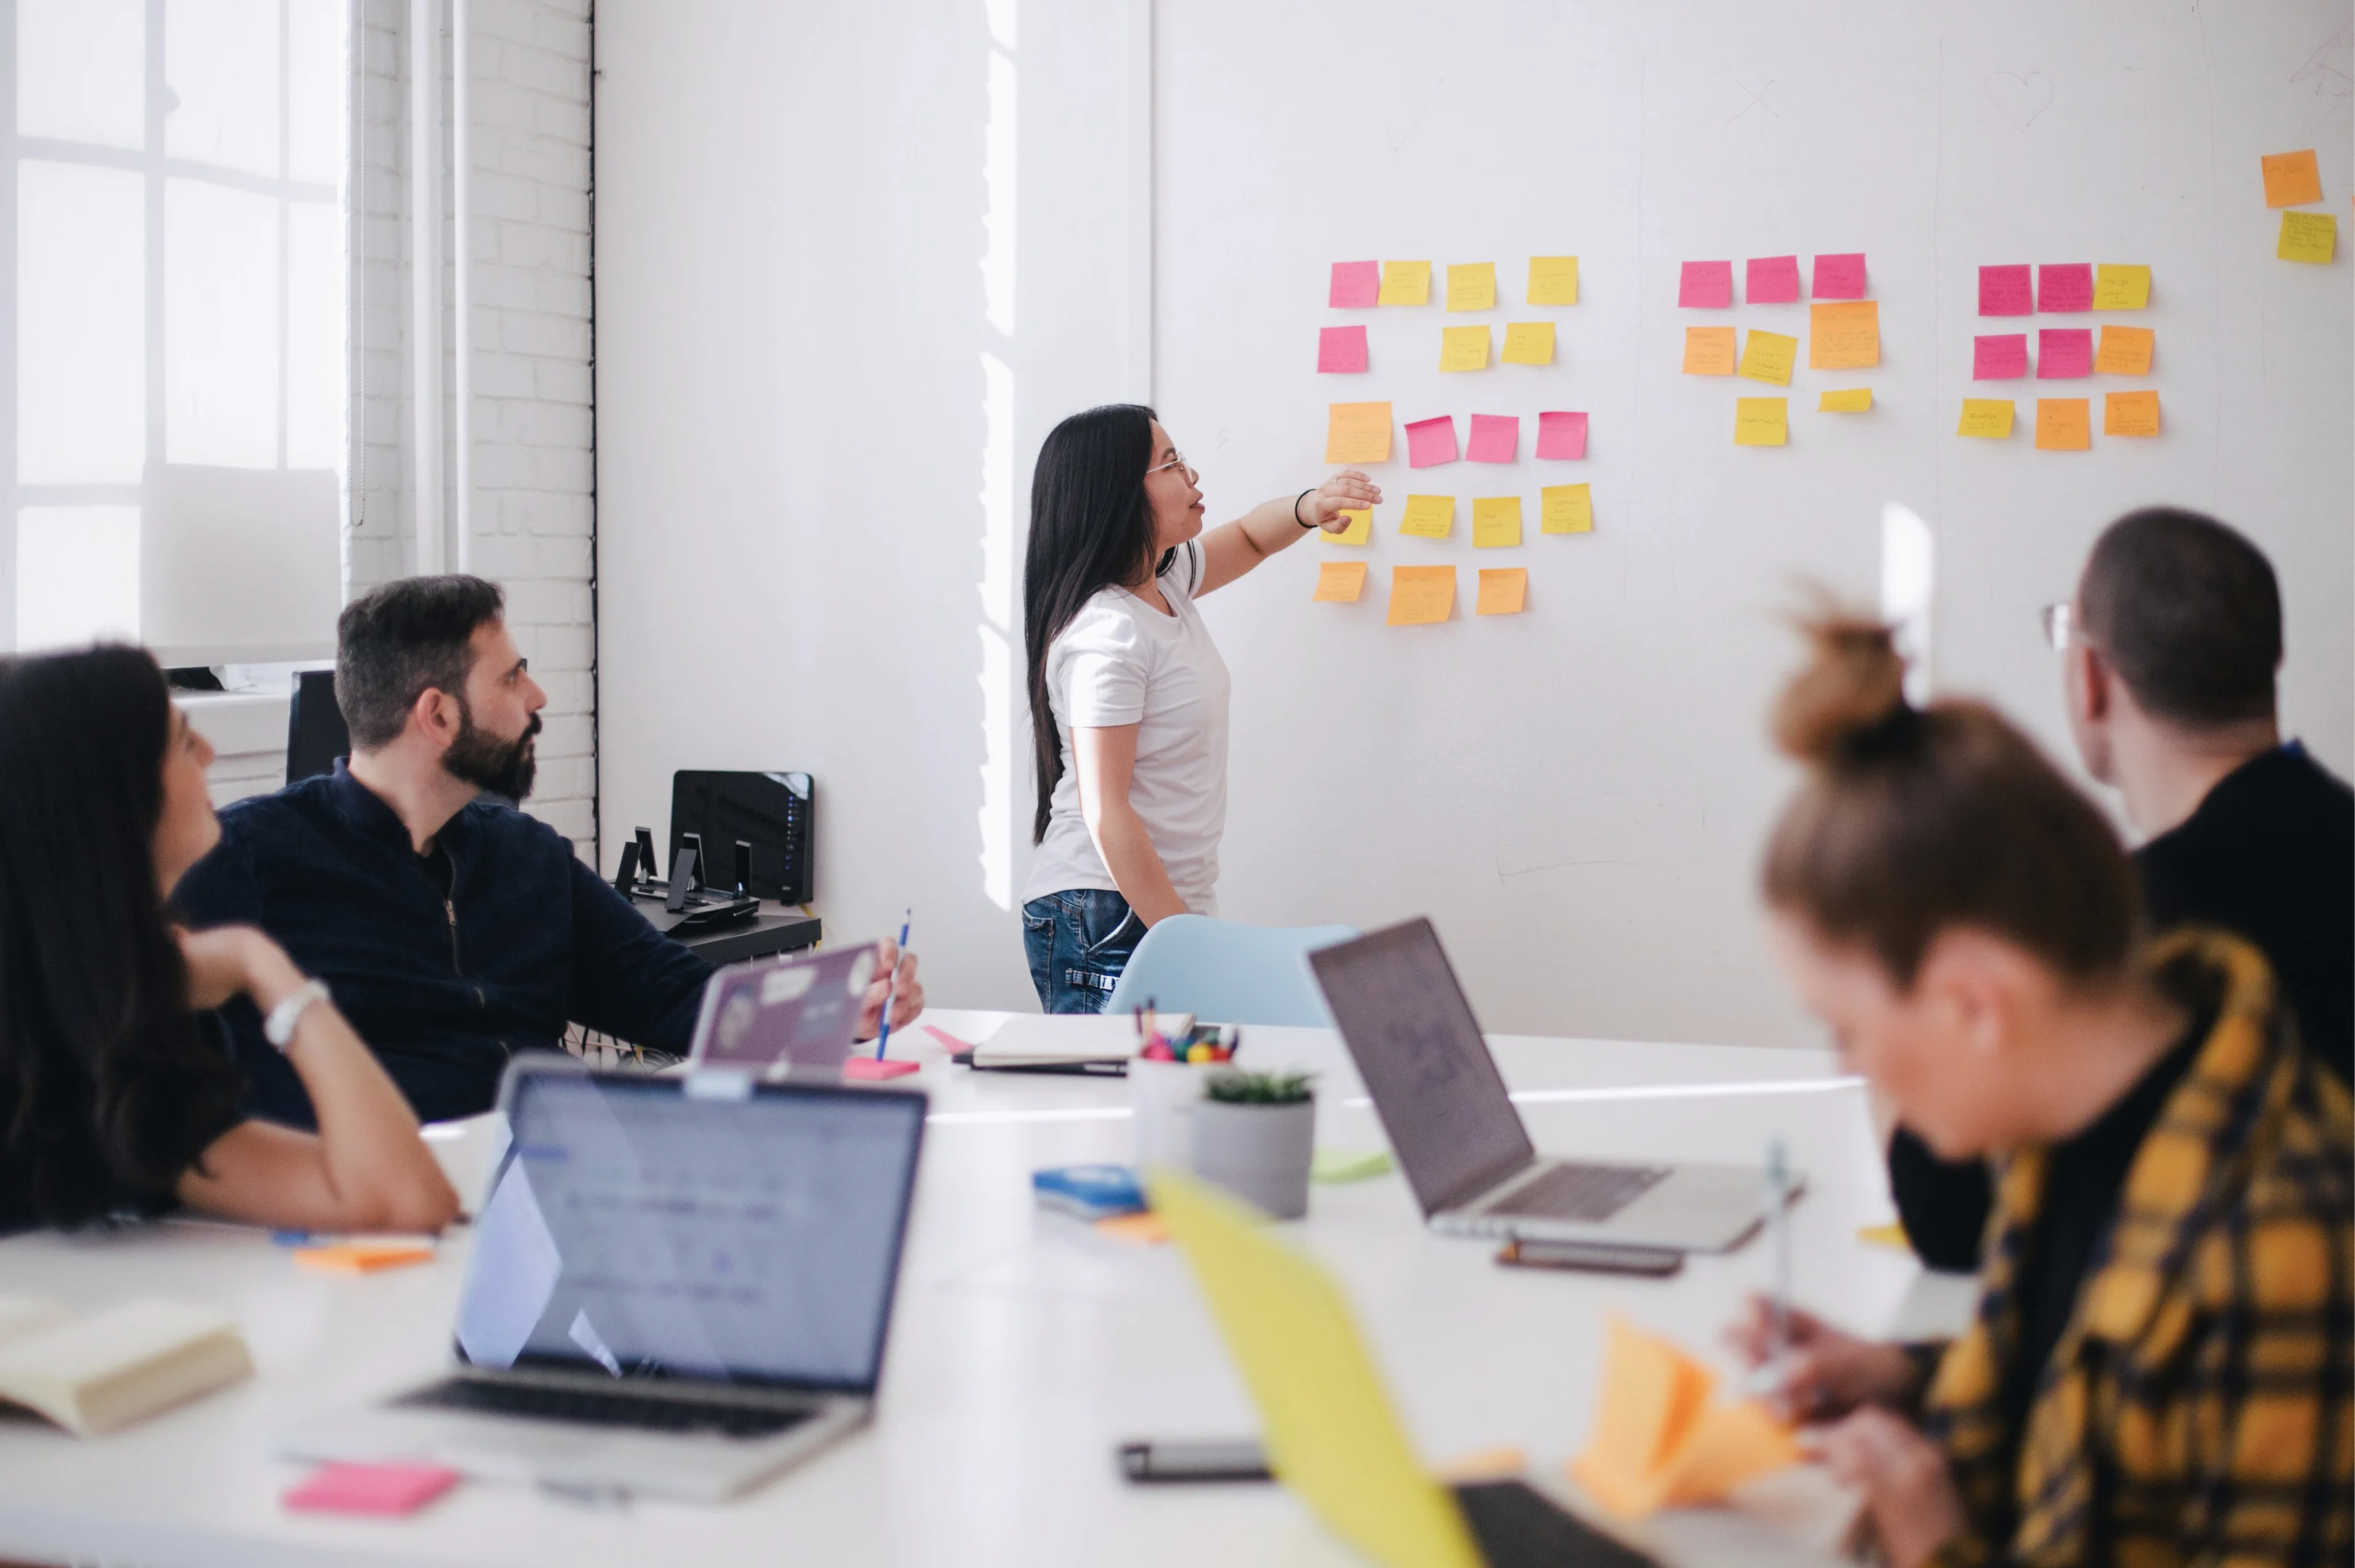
(2057, 628)
(1177, 460)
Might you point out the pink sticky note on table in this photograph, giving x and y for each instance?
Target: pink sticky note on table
(1840, 277)
(1561, 435)
(1496, 438)
(1773, 279)
(1356, 285)
(1340, 350)
(2067, 286)
(2003, 290)
(388, 1491)
(1707, 285)
(2062, 351)
(1430, 442)
(2002, 357)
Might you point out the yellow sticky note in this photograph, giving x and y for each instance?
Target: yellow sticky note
(1709, 351)
(1358, 433)
(1503, 589)
(1844, 336)
(1421, 595)
(1496, 521)
(1359, 532)
(1339, 583)
(2125, 351)
(2120, 287)
(1768, 357)
(2307, 236)
(1428, 517)
(1762, 421)
(1464, 348)
(1889, 1234)
(1566, 509)
(2130, 413)
(1472, 285)
(1987, 417)
(1553, 280)
(1847, 400)
(1405, 282)
(1529, 343)
(2064, 424)
(2291, 178)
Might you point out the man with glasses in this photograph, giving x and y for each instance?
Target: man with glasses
(2169, 650)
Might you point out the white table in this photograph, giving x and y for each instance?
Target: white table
(1023, 1347)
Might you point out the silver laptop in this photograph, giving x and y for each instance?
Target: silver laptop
(679, 1287)
(1465, 1150)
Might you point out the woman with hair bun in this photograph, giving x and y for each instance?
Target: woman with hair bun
(2158, 1372)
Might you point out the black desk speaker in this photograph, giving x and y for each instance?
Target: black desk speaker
(316, 735)
(775, 812)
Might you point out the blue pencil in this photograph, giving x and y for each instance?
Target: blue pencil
(883, 1037)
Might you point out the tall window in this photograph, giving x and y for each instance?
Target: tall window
(179, 272)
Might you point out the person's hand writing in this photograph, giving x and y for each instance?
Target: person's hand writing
(906, 994)
(1909, 1492)
(235, 960)
(1827, 1373)
(1345, 491)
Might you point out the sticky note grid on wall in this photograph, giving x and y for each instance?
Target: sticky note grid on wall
(2063, 352)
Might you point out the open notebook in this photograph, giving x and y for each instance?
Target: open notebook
(95, 1374)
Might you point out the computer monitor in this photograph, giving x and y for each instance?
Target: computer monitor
(774, 812)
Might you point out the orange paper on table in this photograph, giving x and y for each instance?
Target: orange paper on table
(1421, 595)
(2125, 351)
(2292, 179)
(2130, 413)
(1339, 583)
(1709, 351)
(1358, 433)
(1844, 336)
(362, 1258)
(2064, 424)
(1503, 589)
(1657, 1442)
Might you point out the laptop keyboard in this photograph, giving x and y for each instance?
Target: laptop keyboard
(645, 1413)
(1582, 1191)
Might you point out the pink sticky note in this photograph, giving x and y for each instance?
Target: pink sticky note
(1430, 442)
(2002, 357)
(2062, 351)
(1561, 435)
(875, 1070)
(1707, 285)
(1773, 279)
(1340, 348)
(386, 1490)
(1839, 277)
(2068, 285)
(1356, 285)
(2003, 290)
(1496, 438)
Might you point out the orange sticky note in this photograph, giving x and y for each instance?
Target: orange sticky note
(1566, 509)
(1339, 583)
(1656, 1440)
(1148, 1229)
(1709, 351)
(1358, 433)
(2064, 424)
(1503, 589)
(1989, 417)
(362, 1258)
(2125, 351)
(1844, 336)
(2292, 179)
(2130, 413)
(1421, 595)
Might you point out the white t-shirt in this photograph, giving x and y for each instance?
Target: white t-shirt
(1121, 661)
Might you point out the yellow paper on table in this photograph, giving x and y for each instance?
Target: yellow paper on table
(1889, 1234)
(1768, 357)
(2125, 351)
(1986, 416)
(1428, 517)
(1358, 433)
(2292, 179)
(1847, 400)
(1656, 1440)
(2130, 413)
(1762, 421)
(1464, 348)
(1405, 282)
(1472, 285)
(1339, 583)
(1529, 343)
(2307, 236)
(1503, 589)
(2064, 424)
(2120, 287)
(1566, 509)
(1709, 351)
(1844, 336)
(1421, 595)
(1553, 280)
(1496, 521)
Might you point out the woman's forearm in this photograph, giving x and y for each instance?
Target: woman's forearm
(1135, 866)
(1276, 524)
(373, 1159)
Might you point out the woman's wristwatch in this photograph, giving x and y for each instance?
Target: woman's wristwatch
(278, 1028)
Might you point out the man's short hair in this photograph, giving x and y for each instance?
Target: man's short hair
(2187, 612)
(396, 642)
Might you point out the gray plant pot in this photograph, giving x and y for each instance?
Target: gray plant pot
(1258, 1152)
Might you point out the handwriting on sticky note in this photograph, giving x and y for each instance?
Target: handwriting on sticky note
(1340, 350)
(1762, 421)
(1421, 595)
(2307, 236)
(1844, 336)
(1768, 357)
(2065, 286)
(1999, 355)
(1846, 401)
(1553, 280)
(2125, 351)
(1503, 589)
(1356, 285)
(1358, 433)
(1339, 583)
(1561, 436)
(1428, 517)
(2064, 424)
(1705, 285)
(1709, 351)
(2117, 286)
(2062, 352)
(2292, 179)
(1359, 532)
(1496, 521)
(1405, 282)
(1566, 509)
(1432, 441)
(1529, 343)
(1839, 277)
(1464, 348)
(2003, 290)
(1986, 418)
(1496, 438)
(1771, 280)
(2130, 413)
(1472, 285)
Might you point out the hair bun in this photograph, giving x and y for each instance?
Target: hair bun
(1854, 683)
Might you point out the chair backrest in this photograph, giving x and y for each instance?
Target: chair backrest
(1228, 974)
(316, 735)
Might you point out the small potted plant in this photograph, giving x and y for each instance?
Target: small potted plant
(1255, 1134)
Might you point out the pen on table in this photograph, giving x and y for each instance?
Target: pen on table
(907, 919)
(1778, 1199)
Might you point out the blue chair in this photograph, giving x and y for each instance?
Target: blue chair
(1228, 974)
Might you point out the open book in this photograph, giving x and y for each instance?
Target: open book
(95, 1374)
(1030, 1040)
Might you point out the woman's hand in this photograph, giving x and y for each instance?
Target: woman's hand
(1345, 491)
(1908, 1491)
(235, 960)
(1826, 1374)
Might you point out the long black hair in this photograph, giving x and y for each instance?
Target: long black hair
(105, 1082)
(1091, 528)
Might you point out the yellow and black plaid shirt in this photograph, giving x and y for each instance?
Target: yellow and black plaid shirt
(2196, 1409)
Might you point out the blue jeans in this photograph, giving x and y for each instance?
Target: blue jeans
(1078, 943)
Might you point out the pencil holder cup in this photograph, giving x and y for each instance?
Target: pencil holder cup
(1164, 1096)
(1259, 1152)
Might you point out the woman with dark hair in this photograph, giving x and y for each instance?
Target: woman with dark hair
(2159, 1368)
(1128, 695)
(116, 1090)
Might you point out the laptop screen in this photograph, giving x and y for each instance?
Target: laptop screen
(639, 1228)
(1419, 1049)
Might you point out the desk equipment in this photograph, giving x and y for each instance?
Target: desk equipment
(96, 1374)
(316, 735)
(785, 1015)
(775, 813)
(686, 903)
(671, 1291)
(1468, 1157)
(1237, 1459)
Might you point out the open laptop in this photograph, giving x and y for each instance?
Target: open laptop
(772, 1016)
(679, 1287)
(1465, 1153)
